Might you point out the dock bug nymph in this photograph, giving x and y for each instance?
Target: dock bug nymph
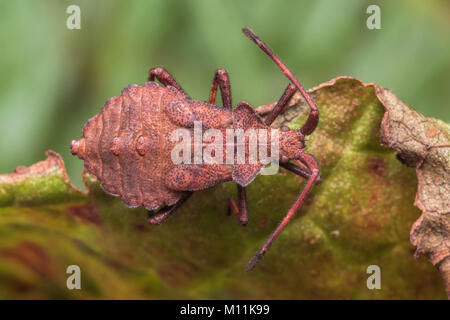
(128, 145)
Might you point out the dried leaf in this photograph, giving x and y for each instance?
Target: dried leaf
(424, 144)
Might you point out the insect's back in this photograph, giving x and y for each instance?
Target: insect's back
(127, 146)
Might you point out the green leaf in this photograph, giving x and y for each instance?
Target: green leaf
(360, 215)
(42, 183)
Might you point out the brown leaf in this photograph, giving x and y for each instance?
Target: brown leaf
(423, 143)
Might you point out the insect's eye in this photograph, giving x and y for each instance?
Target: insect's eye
(284, 129)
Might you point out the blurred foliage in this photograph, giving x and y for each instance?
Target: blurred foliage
(54, 79)
(359, 215)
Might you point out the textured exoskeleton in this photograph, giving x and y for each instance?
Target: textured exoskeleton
(129, 145)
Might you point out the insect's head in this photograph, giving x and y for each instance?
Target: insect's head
(78, 148)
(292, 144)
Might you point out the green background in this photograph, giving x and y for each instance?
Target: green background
(53, 79)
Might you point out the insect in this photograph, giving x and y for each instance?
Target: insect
(128, 145)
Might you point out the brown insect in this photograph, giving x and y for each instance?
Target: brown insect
(128, 145)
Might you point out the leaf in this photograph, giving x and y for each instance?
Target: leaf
(42, 183)
(424, 144)
(360, 215)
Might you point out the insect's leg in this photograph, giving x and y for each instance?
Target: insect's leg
(221, 80)
(164, 77)
(313, 118)
(281, 104)
(313, 166)
(242, 210)
(166, 212)
(301, 170)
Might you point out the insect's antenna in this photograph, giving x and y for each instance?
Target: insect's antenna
(313, 118)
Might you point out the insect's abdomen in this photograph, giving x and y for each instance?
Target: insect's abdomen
(127, 146)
